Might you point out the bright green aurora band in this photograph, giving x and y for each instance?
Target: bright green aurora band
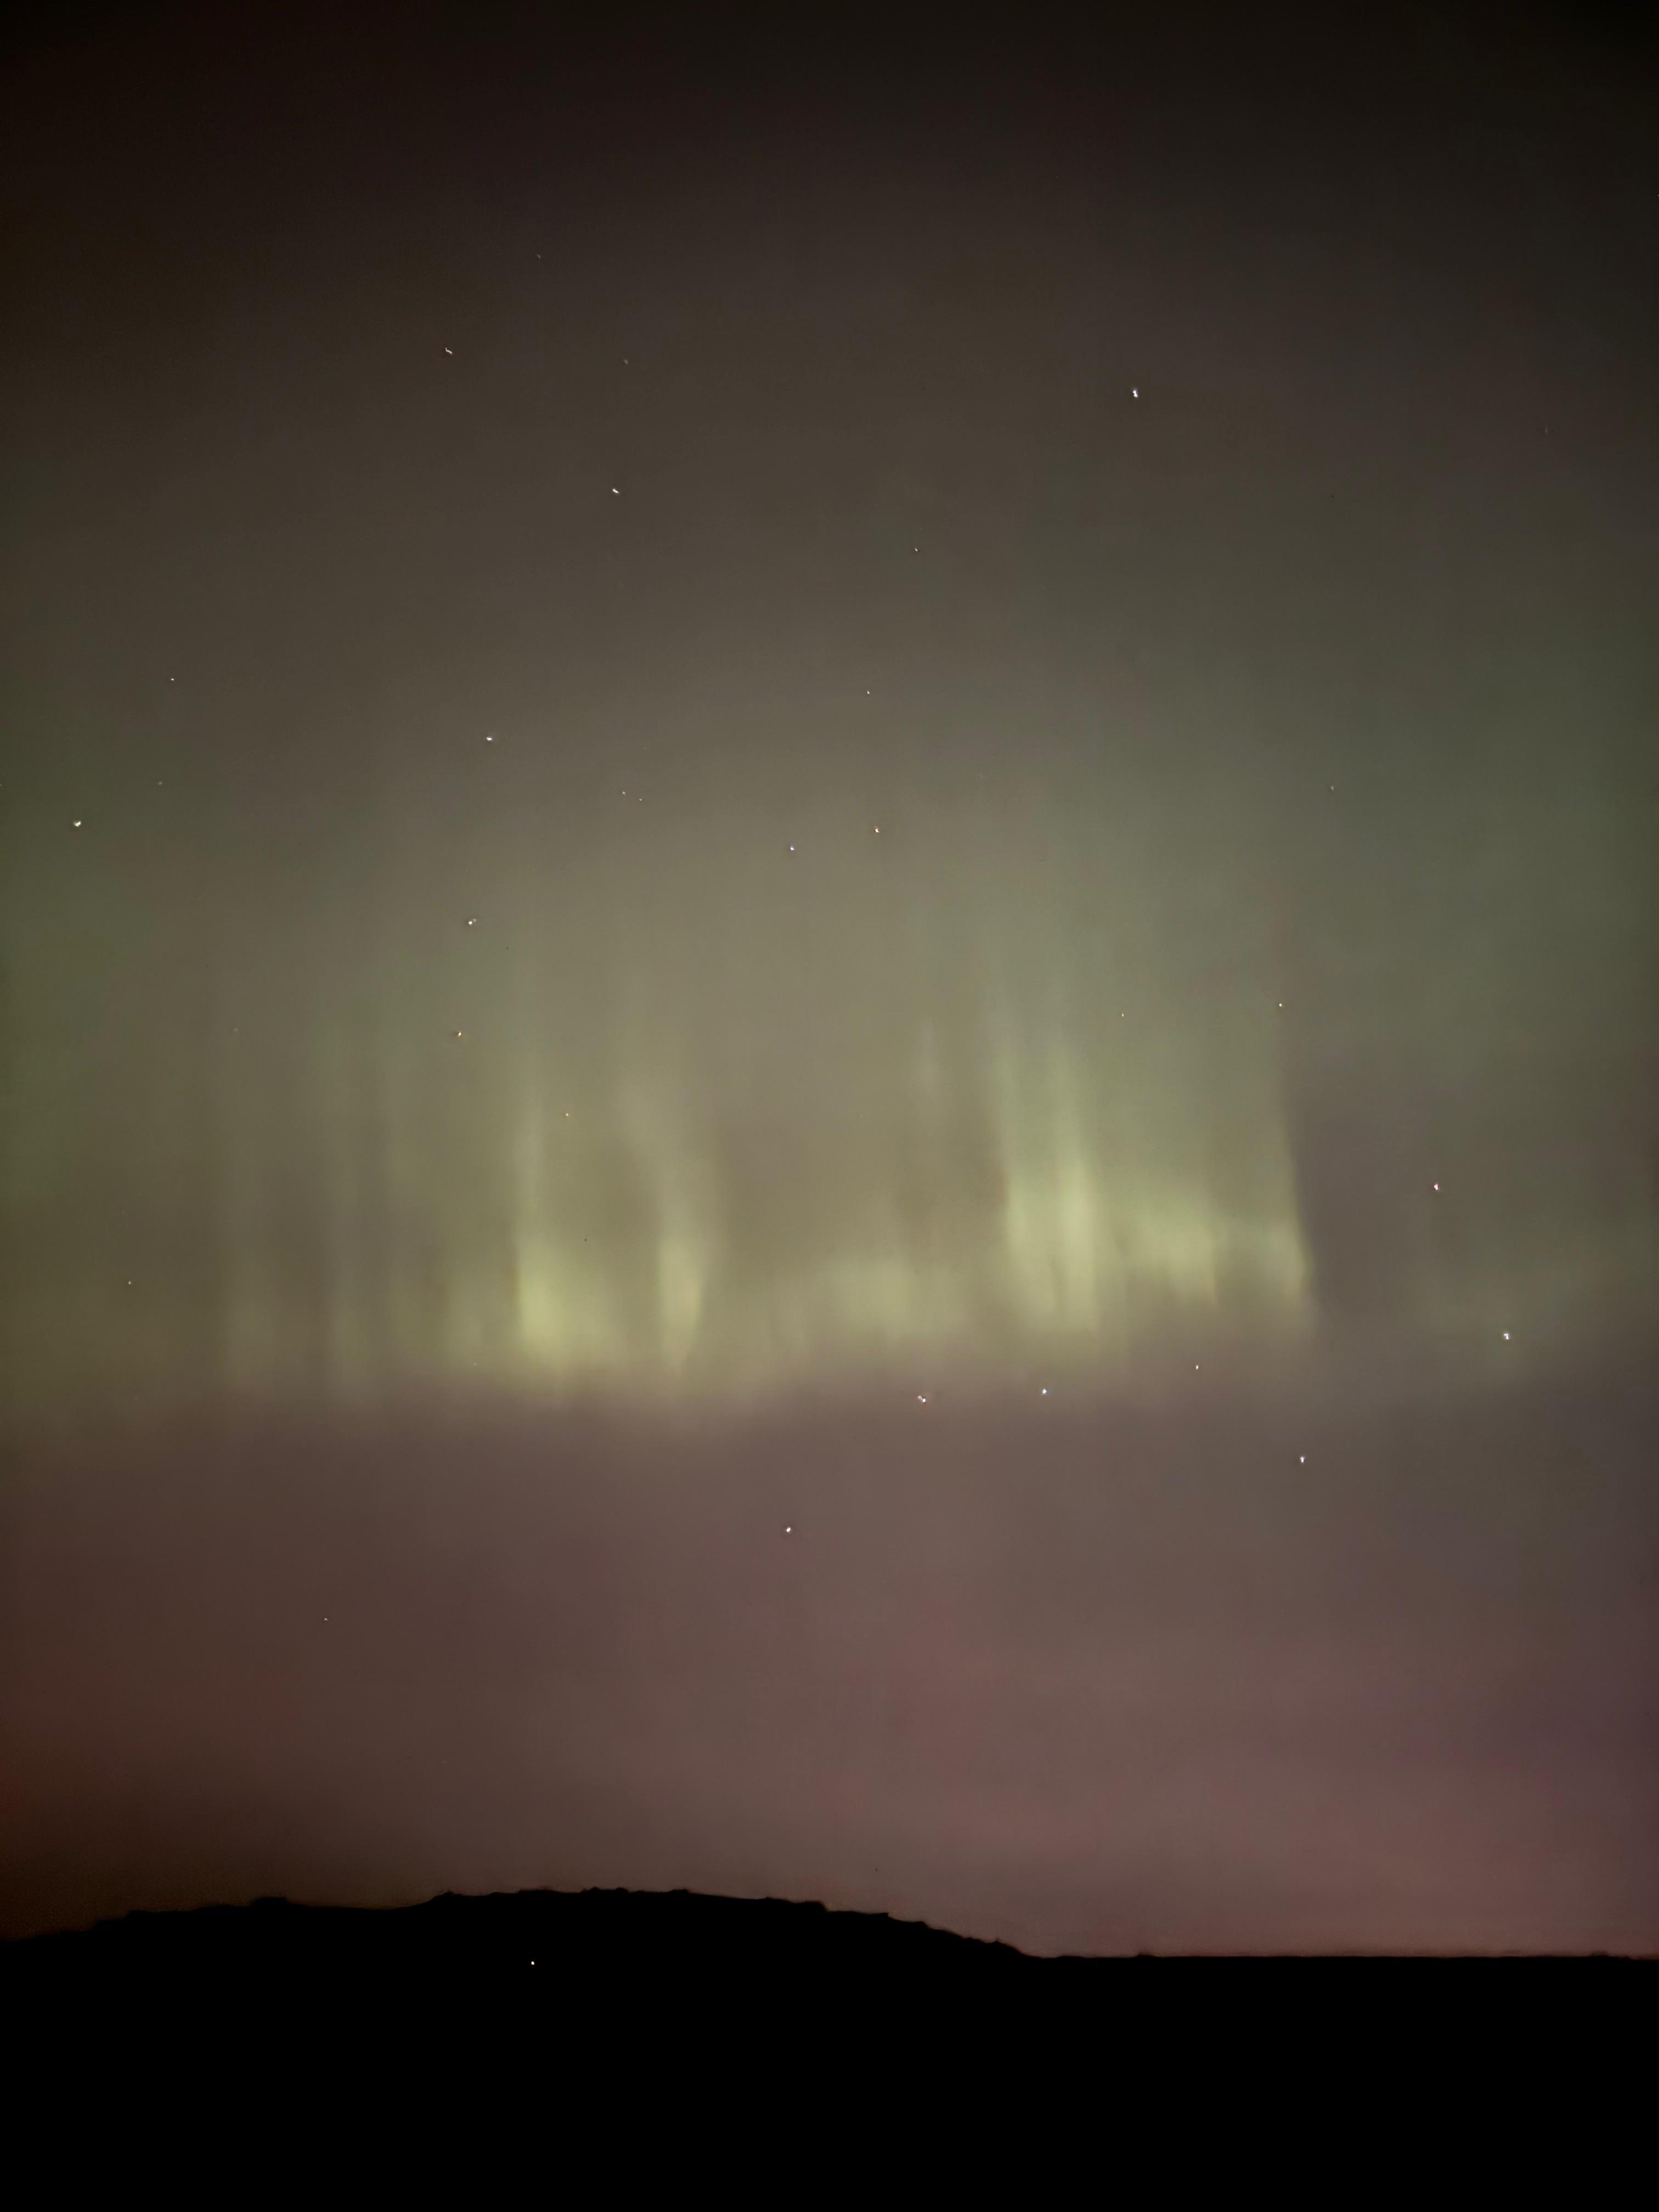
(685, 1089)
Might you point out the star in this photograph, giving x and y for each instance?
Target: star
(787, 1531)
(1434, 1186)
(920, 1401)
(450, 350)
(792, 848)
(75, 824)
(472, 921)
(1133, 393)
(1302, 1458)
(1506, 1336)
(489, 737)
(1045, 1390)
(615, 494)
(876, 826)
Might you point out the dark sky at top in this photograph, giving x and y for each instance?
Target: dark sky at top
(783, 729)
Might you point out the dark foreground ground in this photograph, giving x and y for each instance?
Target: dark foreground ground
(617, 1942)
(614, 1937)
(488, 2045)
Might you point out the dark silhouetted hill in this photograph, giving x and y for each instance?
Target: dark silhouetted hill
(602, 1940)
(605, 1941)
(683, 2026)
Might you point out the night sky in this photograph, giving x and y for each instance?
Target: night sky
(827, 872)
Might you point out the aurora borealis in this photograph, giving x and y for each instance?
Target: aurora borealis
(1011, 1084)
(706, 736)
